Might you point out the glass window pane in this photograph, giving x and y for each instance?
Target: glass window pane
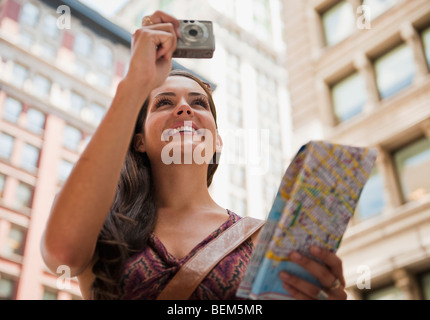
(338, 22)
(49, 295)
(29, 15)
(6, 145)
(372, 199)
(7, 288)
(83, 44)
(41, 86)
(103, 56)
(30, 158)
(23, 196)
(388, 293)
(35, 121)
(20, 74)
(14, 242)
(2, 183)
(426, 40)
(426, 286)
(77, 103)
(378, 7)
(349, 97)
(413, 168)
(50, 26)
(64, 170)
(98, 113)
(71, 138)
(12, 110)
(395, 71)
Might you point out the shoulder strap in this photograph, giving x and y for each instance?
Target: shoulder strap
(189, 276)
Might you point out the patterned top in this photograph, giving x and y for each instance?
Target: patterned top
(147, 273)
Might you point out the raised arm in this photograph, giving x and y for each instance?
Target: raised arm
(81, 207)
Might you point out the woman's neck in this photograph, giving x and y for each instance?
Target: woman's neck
(179, 187)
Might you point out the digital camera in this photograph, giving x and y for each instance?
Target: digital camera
(196, 41)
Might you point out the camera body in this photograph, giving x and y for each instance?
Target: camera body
(196, 41)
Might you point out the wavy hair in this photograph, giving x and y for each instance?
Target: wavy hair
(132, 216)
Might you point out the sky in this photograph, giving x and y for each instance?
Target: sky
(105, 7)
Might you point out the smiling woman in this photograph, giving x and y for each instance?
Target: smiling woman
(128, 224)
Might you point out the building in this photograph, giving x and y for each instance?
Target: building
(251, 96)
(359, 74)
(59, 68)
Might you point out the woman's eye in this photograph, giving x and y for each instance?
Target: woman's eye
(201, 102)
(163, 102)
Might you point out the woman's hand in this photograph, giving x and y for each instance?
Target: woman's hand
(329, 275)
(151, 51)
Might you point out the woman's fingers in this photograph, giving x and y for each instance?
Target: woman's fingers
(160, 17)
(328, 271)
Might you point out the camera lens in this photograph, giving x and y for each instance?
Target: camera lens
(193, 32)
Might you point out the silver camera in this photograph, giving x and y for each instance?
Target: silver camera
(197, 39)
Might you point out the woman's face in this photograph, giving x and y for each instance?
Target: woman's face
(179, 124)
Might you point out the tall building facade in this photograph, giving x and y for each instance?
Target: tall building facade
(60, 64)
(359, 75)
(251, 95)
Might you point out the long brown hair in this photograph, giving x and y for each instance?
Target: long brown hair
(132, 216)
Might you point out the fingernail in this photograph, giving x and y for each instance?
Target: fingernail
(315, 250)
(295, 256)
(284, 275)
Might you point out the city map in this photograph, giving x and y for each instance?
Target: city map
(317, 197)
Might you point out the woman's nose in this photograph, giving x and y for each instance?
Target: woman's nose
(184, 108)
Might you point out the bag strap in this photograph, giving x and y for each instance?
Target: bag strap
(189, 276)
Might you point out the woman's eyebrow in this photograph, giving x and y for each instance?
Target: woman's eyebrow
(173, 94)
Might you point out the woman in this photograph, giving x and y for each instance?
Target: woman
(127, 219)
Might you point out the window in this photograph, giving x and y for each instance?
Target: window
(97, 112)
(35, 121)
(30, 158)
(20, 74)
(6, 145)
(41, 86)
(29, 15)
(238, 175)
(262, 19)
(12, 110)
(425, 281)
(349, 97)
(103, 56)
(48, 50)
(50, 28)
(7, 288)
(378, 7)
(83, 44)
(387, 293)
(23, 196)
(64, 170)
(238, 205)
(77, 103)
(2, 184)
(426, 41)
(394, 71)
(14, 242)
(413, 169)
(372, 199)
(49, 294)
(26, 40)
(71, 138)
(338, 22)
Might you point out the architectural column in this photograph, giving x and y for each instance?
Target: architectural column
(365, 68)
(385, 165)
(410, 35)
(405, 282)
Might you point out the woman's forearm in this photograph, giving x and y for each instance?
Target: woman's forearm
(81, 207)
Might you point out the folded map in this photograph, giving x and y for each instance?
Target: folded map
(317, 197)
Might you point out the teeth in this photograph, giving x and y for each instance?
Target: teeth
(183, 129)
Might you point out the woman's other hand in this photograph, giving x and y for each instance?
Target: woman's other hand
(329, 275)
